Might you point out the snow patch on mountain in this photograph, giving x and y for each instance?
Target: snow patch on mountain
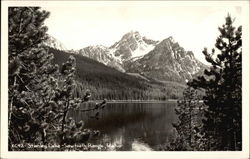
(142, 50)
(162, 60)
(117, 58)
(132, 45)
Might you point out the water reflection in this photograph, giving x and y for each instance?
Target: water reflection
(131, 126)
(139, 146)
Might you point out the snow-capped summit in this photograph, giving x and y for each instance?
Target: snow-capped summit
(162, 60)
(132, 45)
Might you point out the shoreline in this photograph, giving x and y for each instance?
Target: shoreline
(136, 101)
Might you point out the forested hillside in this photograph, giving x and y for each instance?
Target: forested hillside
(111, 84)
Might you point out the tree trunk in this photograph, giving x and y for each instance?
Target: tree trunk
(11, 105)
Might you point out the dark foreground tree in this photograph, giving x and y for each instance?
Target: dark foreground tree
(29, 72)
(40, 96)
(222, 84)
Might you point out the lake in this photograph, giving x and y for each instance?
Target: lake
(131, 126)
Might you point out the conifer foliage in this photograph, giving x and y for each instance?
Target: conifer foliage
(29, 72)
(222, 84)
(40, 95)
(189, 134)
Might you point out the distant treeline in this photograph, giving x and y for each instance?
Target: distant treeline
(108, 83)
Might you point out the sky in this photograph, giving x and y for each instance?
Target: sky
(78, 25)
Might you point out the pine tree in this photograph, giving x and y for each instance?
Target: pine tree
(63, 129)
(189, 135)
(40, 96)
(29, 70)
(222, 84)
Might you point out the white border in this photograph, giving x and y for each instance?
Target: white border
(113, 155)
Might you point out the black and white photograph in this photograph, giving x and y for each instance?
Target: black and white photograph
(125, 76)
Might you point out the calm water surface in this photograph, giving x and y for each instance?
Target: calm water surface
(131, 126)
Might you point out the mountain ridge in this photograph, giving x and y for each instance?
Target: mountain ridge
(108, 83)
(159, 60)
(168, 61)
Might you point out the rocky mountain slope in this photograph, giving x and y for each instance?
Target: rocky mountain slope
(131, 46)
(102, 54)
(168, 61)
(107, 83)
(162, 60)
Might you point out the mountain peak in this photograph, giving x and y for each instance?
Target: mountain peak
(167, 61)
(162, 60)
(131, 45)
(169, 39)
(132, 34)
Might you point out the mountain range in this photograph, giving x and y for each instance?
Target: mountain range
(162, 60)
(108, 83)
